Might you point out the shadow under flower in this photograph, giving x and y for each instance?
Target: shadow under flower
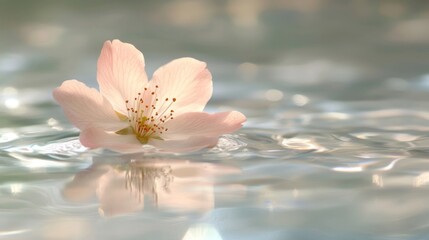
(125, 187)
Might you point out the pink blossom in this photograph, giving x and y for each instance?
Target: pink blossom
(130, 112)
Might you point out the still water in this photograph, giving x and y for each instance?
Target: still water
(336, 145)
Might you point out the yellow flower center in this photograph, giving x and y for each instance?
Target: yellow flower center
(147, 119)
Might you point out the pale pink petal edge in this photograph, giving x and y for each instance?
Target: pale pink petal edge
(204, 124)
(120, 73)
(85, 107)
(97, 138)
(185, 145)
(186, 79)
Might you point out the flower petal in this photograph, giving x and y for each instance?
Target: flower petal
(186, 79)
(203, 124)
(97, 138)
(184, 145)
(86, 107)
(120, 73)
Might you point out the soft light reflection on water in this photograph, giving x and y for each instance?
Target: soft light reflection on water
(335, 146)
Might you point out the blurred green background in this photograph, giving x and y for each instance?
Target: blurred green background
(44, 42)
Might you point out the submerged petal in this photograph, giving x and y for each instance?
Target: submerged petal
(85, 107)
(97, 138)
(187, 80)
(120, 73)
(184, 145)
(203, 124)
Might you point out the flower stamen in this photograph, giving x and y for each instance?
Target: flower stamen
(147, 115)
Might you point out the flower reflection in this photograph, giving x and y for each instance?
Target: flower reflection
(123, 188)
(148, 179)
